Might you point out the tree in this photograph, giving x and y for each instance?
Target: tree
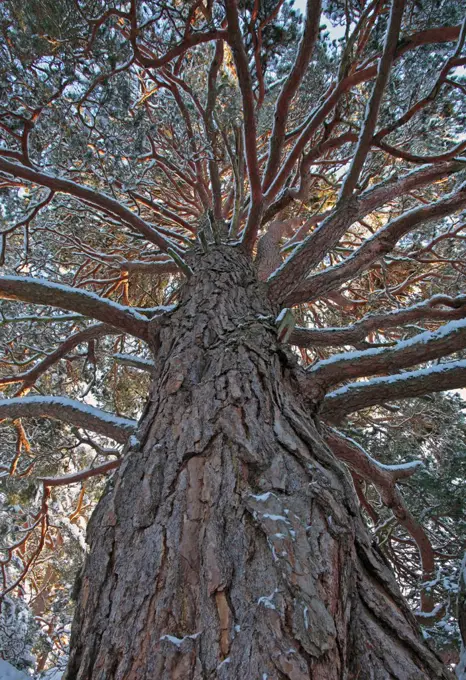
(179, 176)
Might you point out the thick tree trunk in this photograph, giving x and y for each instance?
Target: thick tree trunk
(230, 544)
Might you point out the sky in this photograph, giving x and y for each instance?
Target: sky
(335, 31)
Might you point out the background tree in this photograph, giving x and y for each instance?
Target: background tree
(174, 178)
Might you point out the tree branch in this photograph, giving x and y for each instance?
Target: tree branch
(99, 200)
(357, 332)
(291, 275)
(373, 107)
(69, 411)
(250, 129)
(423, 347)
(135, 362)
(290, 87)
(157, 267)
(360, 395)
(80, 476)
(335, 92)
(30, 377)
(43, 292)
(384, 478)
(191, 40)
(379, 244)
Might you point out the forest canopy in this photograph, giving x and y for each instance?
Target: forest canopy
(329, 145)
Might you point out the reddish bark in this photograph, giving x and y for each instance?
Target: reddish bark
(229, 543)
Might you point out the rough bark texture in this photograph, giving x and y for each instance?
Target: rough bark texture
(229, 545)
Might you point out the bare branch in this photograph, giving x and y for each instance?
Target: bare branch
(157, 267)
(191, 40)
(211, 131)
(335, 92)
(80, 476)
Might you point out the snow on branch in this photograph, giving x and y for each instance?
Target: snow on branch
(367, 467)
(134, 361)
(427, 346)
(69, 411)
(373, 248)
(384, 478)
(90, 196)
(155, 267)
(287, 282)
(29, 377)
(361, 395)
(43, 292)
(428, 310)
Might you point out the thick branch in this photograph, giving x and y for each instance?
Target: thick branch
(250, 129)
(335, 92)
(43, 292)
(421, 348)
(313, 249)
(381, 243)
(69, 411)
(360, 395)
(156, 268)
(211, 129)
(427, 310)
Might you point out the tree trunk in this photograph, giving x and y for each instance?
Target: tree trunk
(229, 544)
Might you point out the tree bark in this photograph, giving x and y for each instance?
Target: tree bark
(229, 544)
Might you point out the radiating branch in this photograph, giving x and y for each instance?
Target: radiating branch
(69, 411)
(384, 478)
(381, 243)
(43, 292)
(427, 310)
(235, 40)
(90, 196)
(290, 87)
(423, 347)
(81, 476)
(285, 283)
(373, 106)
(360, 395)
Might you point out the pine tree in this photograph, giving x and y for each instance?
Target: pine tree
(233, 266)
